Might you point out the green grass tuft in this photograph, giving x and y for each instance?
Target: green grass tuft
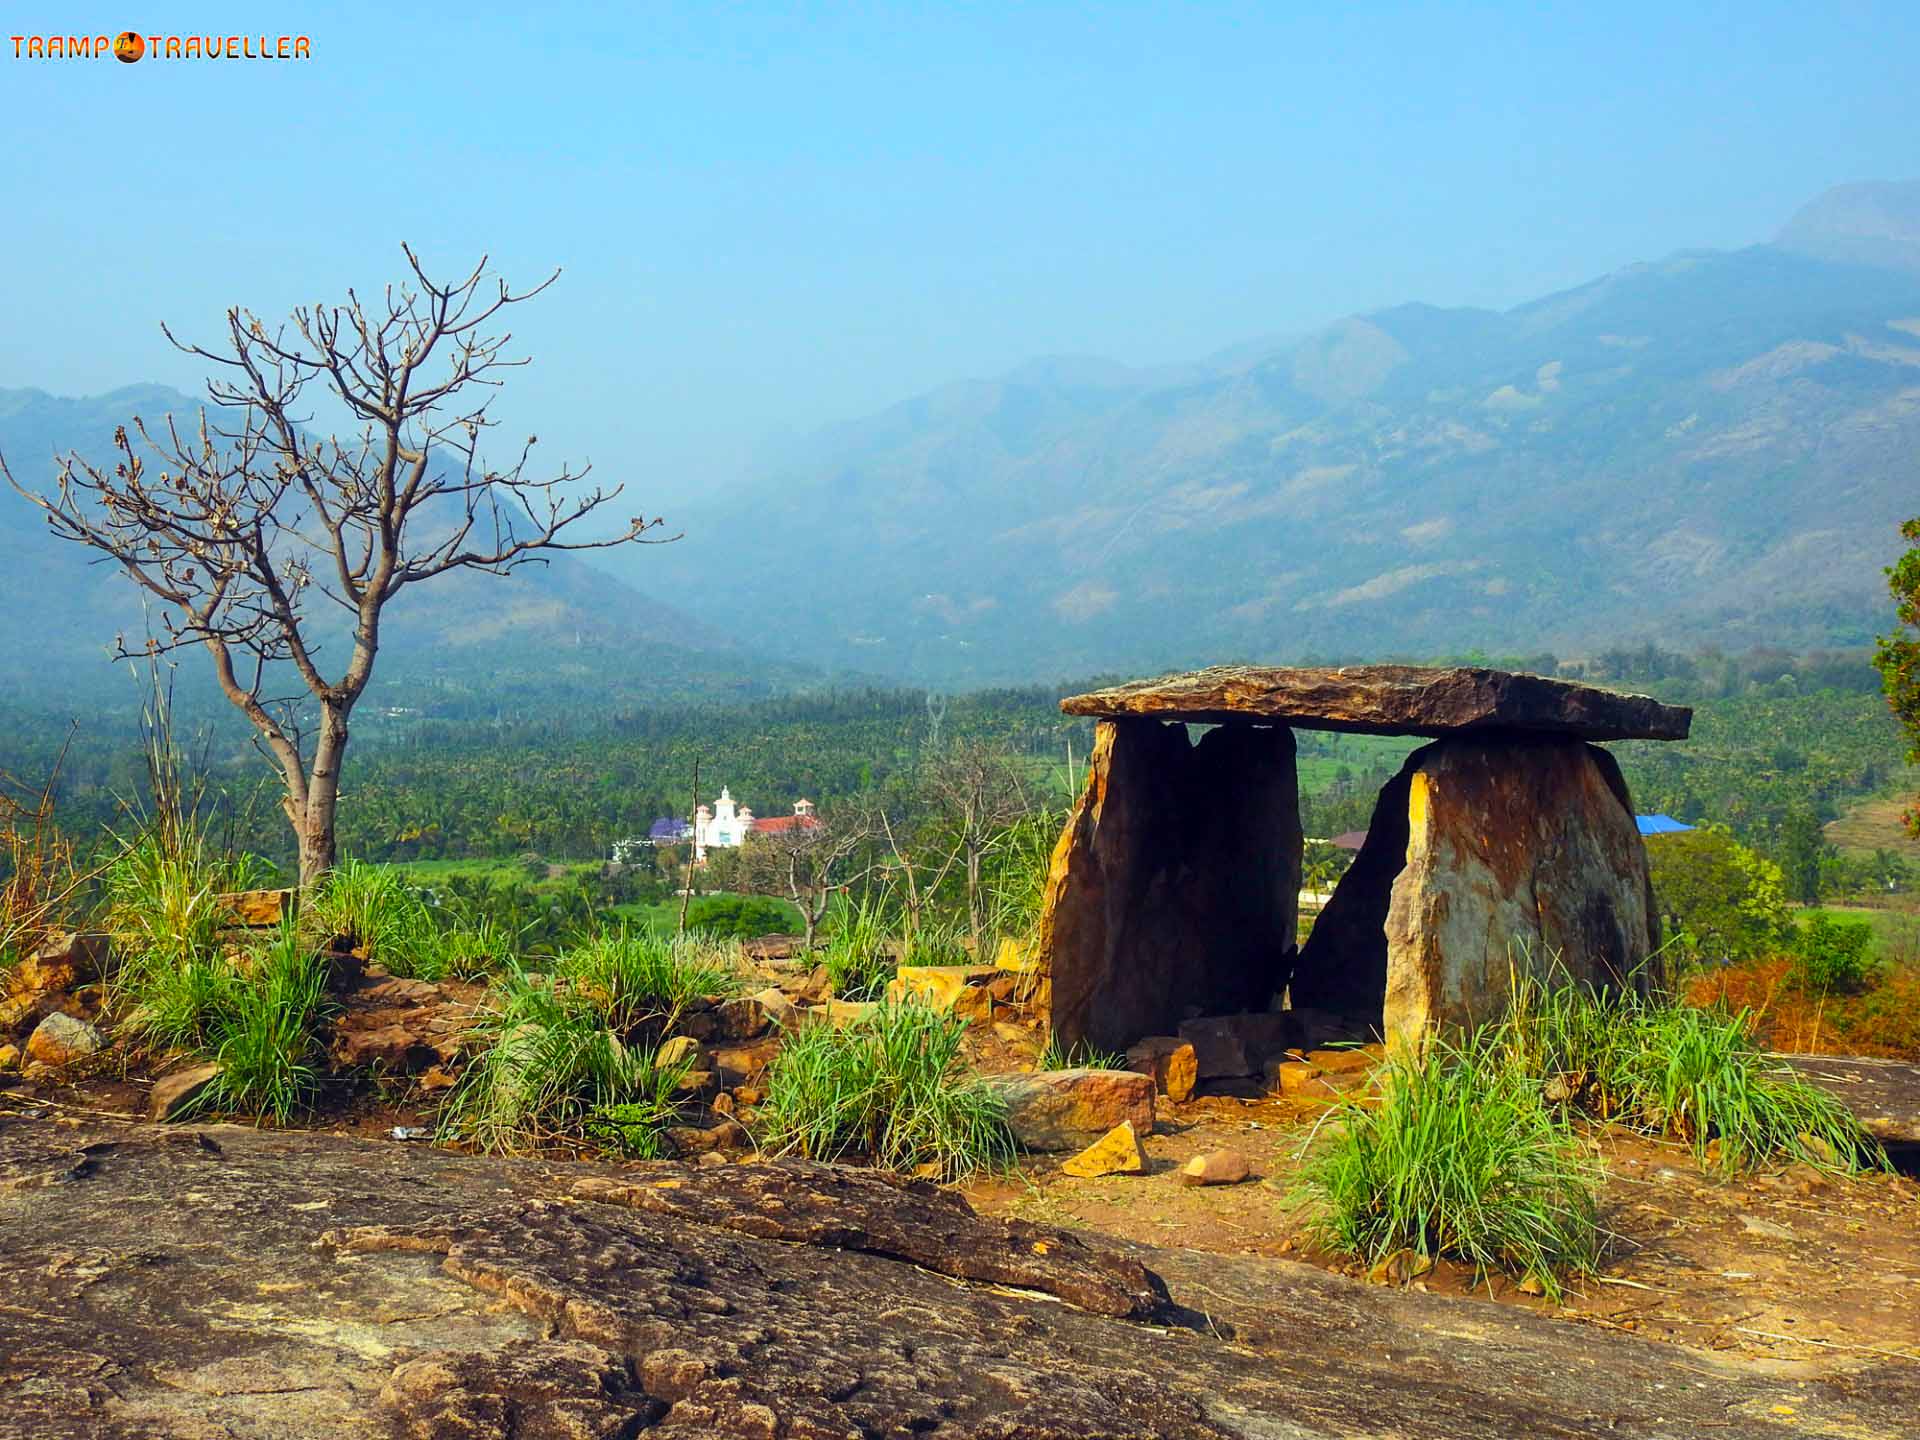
(546, 1069)
(636, 977)
(891, 1087)
(264, 1032)
(1462, 1158)
(1081, 1056)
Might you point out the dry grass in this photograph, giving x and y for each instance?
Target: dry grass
(1883, 1020)
(1875, 825)
(39, 876)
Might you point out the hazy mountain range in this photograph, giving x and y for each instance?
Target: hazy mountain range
(1711, 448)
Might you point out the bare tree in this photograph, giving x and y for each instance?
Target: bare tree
(809, 864)
(249, 511)
(975, 793)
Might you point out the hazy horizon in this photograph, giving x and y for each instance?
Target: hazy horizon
(770, 222)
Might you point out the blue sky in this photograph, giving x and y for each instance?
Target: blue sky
(774, 217)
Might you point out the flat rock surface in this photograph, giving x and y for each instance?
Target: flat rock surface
(1885, 1094)
(221, 1281)
(1390, 700)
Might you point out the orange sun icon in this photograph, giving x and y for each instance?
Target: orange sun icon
(128, 47)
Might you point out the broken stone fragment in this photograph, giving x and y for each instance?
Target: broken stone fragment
(1171, 1062)
(1298, 1077)
(678, 1050)
(740, 1064)
(775, 1005)
(1216, 1167)
(1115, 1153)
(1054, 1110)
(174, 1095)
(60, 1040)
(258, 909)
(59, 964)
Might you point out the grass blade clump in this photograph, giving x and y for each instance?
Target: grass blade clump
(636, 977)
(1697, 1074)
(892, 1087)
(372, 909)
(546, 1070)
(1668, 1068)
(264, 1032)
(1462, 1158)
(859, 958)
(1078, 1056)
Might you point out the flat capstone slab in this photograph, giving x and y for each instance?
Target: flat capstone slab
(1389, 700)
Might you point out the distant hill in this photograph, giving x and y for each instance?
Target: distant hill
(1712, 448)
(463, 640)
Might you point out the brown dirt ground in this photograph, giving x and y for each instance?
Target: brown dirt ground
(1786, 1266)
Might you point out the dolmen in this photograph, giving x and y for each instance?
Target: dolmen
(1506, 846)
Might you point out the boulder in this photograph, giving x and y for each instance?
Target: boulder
(1174, 883)
(259, 909)
(1390, 700)
(740, 1064)
(1171, 1061)
(174, 1095)
(1070, 1109)
(60, 1040)
(1521, 855)
(1216, 1167)
(775, 1005)
(966, 990)
(1115, 1153)
(742, 1017)
(60, 963)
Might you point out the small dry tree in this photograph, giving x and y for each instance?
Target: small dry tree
(239, 515)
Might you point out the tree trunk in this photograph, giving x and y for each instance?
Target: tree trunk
(316, 827)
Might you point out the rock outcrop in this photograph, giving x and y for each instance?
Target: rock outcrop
(260, 1284)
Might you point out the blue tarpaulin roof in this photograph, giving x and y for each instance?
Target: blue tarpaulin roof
(1659, 825)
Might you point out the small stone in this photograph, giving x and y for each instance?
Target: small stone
(709, 1158)
(175, 1094)
(1766, 1229)
(9, 1057)
(1298, 1077)
(677, 1050)
(34, 1072)
(1531, 1284)
(1171, 1061)
(1115, 1153)
(1817, 1149)
(60, 1039)
(722, 1104)
(1216, 1167)
(1399, 1268)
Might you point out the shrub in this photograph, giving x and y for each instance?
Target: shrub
(547, 1069)
(1723, 901)
(1832, 957)
(891, 1087)
(1462, 1158)
(736, 917)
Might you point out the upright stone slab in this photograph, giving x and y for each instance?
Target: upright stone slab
(1521, 855)
(1175, 882)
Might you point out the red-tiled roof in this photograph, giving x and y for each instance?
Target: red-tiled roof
(780, 824)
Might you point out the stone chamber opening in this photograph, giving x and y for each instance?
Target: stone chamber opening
(1173, 895)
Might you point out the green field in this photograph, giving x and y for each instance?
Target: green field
(1896, 930)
